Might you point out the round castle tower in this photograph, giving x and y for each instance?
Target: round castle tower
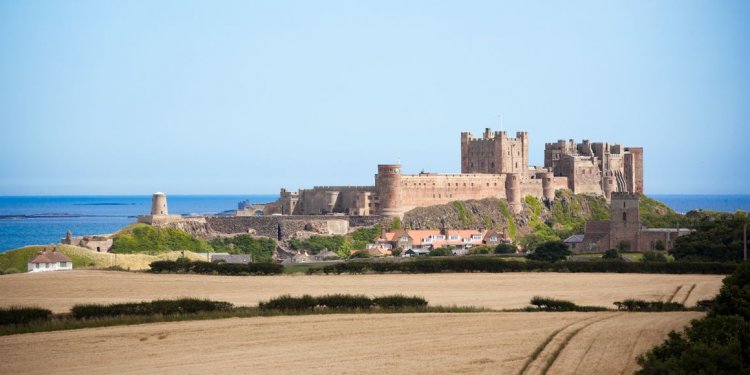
(159, 204)
(608, 185)
(513, 191)
(548, 188)
(388, 186)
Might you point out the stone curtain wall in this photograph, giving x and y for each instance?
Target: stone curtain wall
(280, 227)
(433, 189)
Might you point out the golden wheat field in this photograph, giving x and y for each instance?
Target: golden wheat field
(475, 343)
(59, 291)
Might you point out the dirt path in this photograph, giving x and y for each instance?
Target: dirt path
(477, 343)
(61, 290)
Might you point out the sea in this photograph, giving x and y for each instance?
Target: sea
(40, 220)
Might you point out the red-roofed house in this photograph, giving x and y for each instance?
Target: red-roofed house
(50, 260)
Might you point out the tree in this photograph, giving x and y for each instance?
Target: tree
(612, 254)
(482, 249)
(659, 245)
(651, 256)
(550, 251)
(440, 251)
(505, 248)
(397, 251)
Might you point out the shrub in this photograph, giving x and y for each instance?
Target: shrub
(345, 301)
(550, 304)
(612, 254)
(505, 248)
(440, 251)
(289, 303)
(651, 256)
(550, 251)
(399, 302)
(23, 315)
(157, 307)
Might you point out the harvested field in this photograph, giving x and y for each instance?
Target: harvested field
(489, 343)
(59, 291)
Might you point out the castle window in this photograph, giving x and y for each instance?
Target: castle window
(488, 184)
(625, 216)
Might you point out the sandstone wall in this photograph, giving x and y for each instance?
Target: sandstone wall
(433, 189)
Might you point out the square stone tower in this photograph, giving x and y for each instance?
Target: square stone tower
(626, 222)
(494, 153)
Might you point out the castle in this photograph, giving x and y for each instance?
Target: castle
(494, 166)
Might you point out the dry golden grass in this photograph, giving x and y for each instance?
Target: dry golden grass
(61, 290)
(476, 343)
(127, 261)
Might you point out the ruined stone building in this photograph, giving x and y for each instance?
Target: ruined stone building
(493, 166)
(624, 230)
(596, 168)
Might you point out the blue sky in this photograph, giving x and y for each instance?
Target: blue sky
(218, 97)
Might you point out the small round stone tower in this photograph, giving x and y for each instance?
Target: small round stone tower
(159, 204)
(548, 188)
(513, 191)
(608, 185)
(388, 186)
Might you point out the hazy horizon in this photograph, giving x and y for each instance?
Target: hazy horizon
(233, 98)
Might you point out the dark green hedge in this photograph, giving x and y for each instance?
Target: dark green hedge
(23, 315)
(341, 302)
(551, 304)
(230, 269)
(491, 264)
(641, 305)
(163, 307)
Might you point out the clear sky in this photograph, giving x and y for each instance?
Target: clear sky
(218, 97)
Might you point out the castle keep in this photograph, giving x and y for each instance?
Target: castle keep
(494, 166)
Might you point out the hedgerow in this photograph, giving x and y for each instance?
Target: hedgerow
(342, 302)
(183, 265)
(23, 315)
(496, 265)
(163, 307)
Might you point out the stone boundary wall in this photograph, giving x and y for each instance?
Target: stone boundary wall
(283, 227)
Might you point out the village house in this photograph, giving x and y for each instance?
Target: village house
(50, 260)
(428, 239)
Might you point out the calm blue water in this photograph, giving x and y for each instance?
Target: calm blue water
(685, 203)
(102, 214)
(94, 214)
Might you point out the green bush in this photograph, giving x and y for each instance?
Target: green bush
(158, 307)
(289, 303)
(550, 304)
(651, 256)
(23, 315)
(440, 252)
(345, 301)
(551, 251)
(399, 302)
(505, 248)
(612, 254)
